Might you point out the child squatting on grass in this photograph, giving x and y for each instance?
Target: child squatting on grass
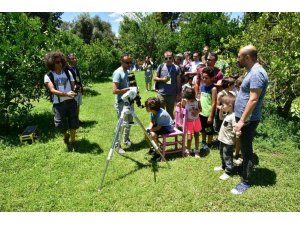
(193, 121)
(161, 122)
(227, 136)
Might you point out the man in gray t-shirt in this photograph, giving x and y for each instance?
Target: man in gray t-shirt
(248, 109)
(120, 86)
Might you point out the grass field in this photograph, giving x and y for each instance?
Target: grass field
(45, 177)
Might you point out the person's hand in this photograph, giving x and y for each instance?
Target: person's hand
(238, 127)
(166, 79)
(71, 94)
(209, 120)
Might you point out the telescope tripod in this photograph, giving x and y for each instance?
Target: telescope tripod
(119, 133)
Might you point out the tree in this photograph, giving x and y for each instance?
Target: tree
(91, 29)
(200, 29)
(277, 38)
(21, 66)
(144, 35)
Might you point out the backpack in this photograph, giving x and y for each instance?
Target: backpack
(51, 77)
(159, 72)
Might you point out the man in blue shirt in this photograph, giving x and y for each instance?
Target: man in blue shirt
(168, 83)
(248, 109)
(119, 87)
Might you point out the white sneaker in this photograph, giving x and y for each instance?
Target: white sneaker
(224, 176)
(127, 143)
(197, 154)
(187, 152)
(121, 150)
(218, 168)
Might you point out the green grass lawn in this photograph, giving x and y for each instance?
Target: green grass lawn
(45, 177)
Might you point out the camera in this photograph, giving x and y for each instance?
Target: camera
(132, 83)
(77, 89)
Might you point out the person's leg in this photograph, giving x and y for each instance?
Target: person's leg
(246, 139)
(196, 135)
(170, 103)
(228, 158)
(237, 148)
(189, 142)
(72, 118)
(162, 100)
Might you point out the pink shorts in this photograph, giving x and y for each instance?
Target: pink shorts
(194, 126)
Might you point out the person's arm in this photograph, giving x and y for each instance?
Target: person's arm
(254, 96)
(53, 91)
(219, 101)
(178, 86)
(213, 105)
(116, 90)
(158, 78)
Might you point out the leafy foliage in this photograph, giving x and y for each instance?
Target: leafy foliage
(146, 35)
(21, 52)
(92, 28)
(277, 37)
(200, 29)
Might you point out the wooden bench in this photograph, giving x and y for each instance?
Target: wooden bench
(29, 134)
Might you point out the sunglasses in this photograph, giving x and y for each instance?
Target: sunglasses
(168, 58)
(127, 62)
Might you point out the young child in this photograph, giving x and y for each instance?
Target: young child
(227, 85)
(161, 122)
(208, 100)
(189, 84)
(227, 136)
(193, 121)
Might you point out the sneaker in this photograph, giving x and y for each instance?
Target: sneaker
(205, 147)
(151, 151)
(120, 150)
(224, 176)
(156, 158)
(127, 143)
(240, 188)
(66, 139)
(218, 168)
(187, 152)
(197, 154)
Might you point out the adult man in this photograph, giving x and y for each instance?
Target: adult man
(72, 65)
(168, 83)
(248, 109)
(194, 65)
(204, 54)
(60, 83)
(212, 58)
(120, 86)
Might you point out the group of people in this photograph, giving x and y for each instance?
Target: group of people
(230, 105)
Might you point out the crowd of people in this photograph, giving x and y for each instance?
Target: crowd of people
(229, 106)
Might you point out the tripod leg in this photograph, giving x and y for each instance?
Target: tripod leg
(157, 149)
(112, 148)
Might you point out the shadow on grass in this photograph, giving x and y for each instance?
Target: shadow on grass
(263, 177)
(143, 144)
(90, 92)
(45, 131)
(88, 123)
(85, 146)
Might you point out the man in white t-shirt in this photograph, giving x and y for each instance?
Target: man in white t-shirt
(60, 86)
